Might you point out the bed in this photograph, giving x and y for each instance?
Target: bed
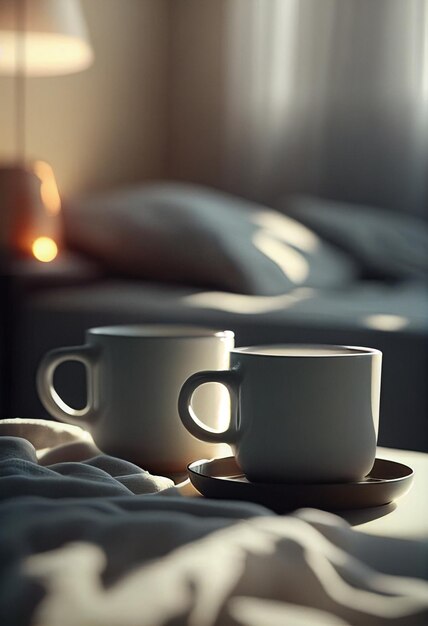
(87, 538)
(175, 253)
(91, 539)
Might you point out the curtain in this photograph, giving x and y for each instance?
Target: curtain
(327, 97)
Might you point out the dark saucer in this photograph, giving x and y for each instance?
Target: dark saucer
(223, 479)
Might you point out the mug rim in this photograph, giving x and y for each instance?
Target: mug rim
(159, 331)
(352, 351)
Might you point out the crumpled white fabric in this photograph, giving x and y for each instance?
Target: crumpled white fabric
(267, 571)
(70, 452)
(147, 560)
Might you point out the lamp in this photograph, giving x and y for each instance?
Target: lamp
(37, 38)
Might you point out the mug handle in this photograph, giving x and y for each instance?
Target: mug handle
(190, 420)
(52, 401)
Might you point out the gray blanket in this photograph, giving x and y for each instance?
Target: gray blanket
(97, 541)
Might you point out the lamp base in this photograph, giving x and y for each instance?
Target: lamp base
(25, 214)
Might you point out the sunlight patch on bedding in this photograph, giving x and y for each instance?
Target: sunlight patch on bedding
(249, 611)
(240, 303)
(386, 322)
(292, 263)
(288, 230)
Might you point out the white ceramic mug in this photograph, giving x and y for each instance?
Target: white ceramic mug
(134, 375)
(298, 413)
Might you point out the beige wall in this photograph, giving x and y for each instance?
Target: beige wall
(197, 90)
(106, 125)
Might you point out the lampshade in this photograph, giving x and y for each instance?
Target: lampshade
(56, 39)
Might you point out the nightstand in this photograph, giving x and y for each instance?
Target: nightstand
(19, 278)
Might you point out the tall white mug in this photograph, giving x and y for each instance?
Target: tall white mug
(299, 412)
(134, 375)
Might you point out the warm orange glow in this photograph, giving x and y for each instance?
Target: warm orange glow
(44, 249)
(48, 187)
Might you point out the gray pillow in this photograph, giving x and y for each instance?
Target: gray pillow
(184, 233)
(385, 244)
